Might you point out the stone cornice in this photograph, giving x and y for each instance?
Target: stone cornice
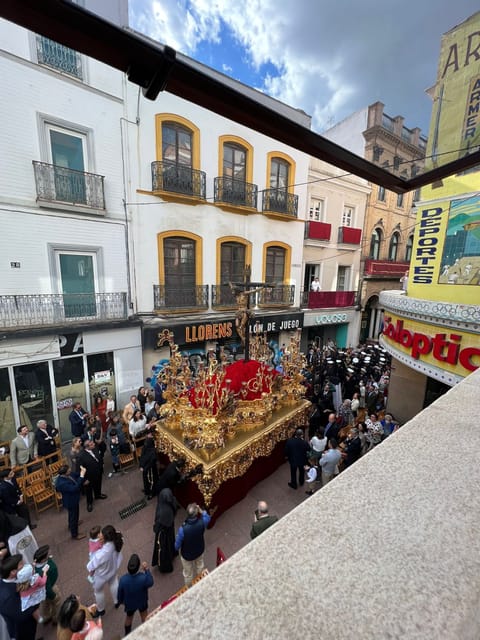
(459, 316)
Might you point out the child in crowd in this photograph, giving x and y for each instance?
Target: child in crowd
(81, 627)
(114, 445)
(312, 475)
(94, 544)
(31, 588)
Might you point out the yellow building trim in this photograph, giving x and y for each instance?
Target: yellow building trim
(288, 260)
(245, 243)
(198, 253)
(161, 118)
(291, 173)
(242, 143)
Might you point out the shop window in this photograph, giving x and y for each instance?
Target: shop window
(7, 419)
(32, 383)
(69, 378)
(101, 376)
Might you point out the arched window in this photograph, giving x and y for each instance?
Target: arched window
(408, 248)
(232, 262)
(375, 243)
(275, 265)
(180, 260)
(393, 248)
(176, 144)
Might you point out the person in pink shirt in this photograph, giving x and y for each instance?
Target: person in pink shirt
(94, 544)
(31, 587)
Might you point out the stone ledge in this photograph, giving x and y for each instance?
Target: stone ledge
(387, 550)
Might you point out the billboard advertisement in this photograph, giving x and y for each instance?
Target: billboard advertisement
(445, 262)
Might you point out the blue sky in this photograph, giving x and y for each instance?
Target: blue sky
(327, 57)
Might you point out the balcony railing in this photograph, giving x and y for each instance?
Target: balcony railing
(280, 201)
(349, 235)
(236, 192)
(55, 55)
(178, 178)
(318, 230)
(386, 268)
(277, 295)
(59, 184)
(53, 309)
(194, 297)
(326, 299)
(223, 296)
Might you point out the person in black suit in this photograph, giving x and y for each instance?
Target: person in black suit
(21, 625)
(45, 436)
(296, 450)
(78, 420)
(91, 459)
(11, 498)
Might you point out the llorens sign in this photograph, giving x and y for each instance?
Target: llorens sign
(211, 331)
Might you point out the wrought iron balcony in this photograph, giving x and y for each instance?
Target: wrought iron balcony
(59, 184)
(277, 295)
(178, 178)
(172, 298)
(236, 192)
(385, 268)
(326, 299)
(55, 55)
(54, 309)
(280, 201)
(222, 296)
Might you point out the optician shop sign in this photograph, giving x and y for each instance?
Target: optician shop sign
(453, 351)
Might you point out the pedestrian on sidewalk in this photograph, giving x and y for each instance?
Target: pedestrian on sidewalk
(133, 591)
(191, 543)
(69, 485)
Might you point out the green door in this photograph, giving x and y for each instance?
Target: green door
(78, 285)
(69, 162)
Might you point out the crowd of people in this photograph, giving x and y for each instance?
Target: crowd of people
(348, 391)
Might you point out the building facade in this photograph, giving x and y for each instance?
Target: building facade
(212, 204)
(331, 253)
(433, 332)
(390, 218)
(64, 293)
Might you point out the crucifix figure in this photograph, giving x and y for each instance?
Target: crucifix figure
(242, 292)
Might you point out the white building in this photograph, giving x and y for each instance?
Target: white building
(64, 292)
(115, 209)
(332, 251)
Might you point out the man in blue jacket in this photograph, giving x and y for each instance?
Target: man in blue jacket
(190, 542)
(296, 450)
(69, 485)
(133, 591)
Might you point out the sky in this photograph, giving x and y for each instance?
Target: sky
(329, 58)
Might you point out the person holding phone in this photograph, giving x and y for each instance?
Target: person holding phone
(262, 520)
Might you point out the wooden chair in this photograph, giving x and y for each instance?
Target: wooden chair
(127, 459)
(53, 462)
(43, 495)
(33, 483)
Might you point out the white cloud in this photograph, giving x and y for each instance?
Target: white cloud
(329, 58)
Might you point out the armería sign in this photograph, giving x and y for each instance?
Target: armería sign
(442, 348)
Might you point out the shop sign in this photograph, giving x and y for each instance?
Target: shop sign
(452, 351)
(101, 377)
(205, 331)
(70, 344)
(331, 318)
